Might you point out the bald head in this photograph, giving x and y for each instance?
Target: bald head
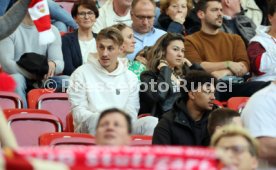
(144, 2)
(142, 15)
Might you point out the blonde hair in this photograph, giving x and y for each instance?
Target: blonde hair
(111, 33)
(234, 130)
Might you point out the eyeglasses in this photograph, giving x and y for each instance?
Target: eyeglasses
(142, 18)
(89, 14)
(236, 149)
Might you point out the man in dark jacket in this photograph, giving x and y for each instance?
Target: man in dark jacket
(235, 22)
(186, 123)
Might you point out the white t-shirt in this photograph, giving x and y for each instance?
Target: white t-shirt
(107, 17)
(101, 2)
(259, 114)
(87, 47)
(259, 117)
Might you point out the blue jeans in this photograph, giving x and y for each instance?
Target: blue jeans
(60, 17)
(21, 87)
(4, 6)
(60, 83)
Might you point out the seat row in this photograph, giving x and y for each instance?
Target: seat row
(33, 127)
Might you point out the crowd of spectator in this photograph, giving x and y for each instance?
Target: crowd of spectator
(127, 58)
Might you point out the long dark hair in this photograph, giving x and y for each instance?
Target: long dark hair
(159, 50)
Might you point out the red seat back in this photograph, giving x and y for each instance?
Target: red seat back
(237, 103)
(141, 140)
(10, 112)
(57, 104)
(28, 127)
(66, 138)
(33, 96)
(69, 123)
(10, 100)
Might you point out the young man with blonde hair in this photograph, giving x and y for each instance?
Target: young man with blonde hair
(105, 82)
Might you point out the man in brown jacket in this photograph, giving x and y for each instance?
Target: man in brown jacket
(221, 54)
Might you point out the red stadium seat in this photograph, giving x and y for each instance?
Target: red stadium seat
(10, 100)
(33, 96)
(66, 138)
(28, 126)
(10, 112)
(69, 123)
(237, 103)
(141, 140)
(57, 104)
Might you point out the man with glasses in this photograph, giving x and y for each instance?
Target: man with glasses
(142, 15)
(113, 12)
(238, 146)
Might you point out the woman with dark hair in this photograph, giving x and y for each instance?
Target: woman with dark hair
(167, 66)
(262, 49)
(173, 15)
(78, 45)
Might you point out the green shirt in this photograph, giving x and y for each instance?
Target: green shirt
(136, 67)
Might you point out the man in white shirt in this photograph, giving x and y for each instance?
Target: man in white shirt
(104, 82)
(142, 14)
(259, 118)
(113, 12)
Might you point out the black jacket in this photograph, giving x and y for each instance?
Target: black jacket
(178, 128)
(241, 25)
(167, 24)
(263, 5)
(155, 101)
(192, 22)
(71, 52)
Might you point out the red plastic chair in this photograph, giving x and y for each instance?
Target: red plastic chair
(237, 103)
(66, 138)
(33, 96)
(28, 126)
(141, 140)
(57, 104)
(10, 100)
(10, 112)
(220, 103)
(69, 123)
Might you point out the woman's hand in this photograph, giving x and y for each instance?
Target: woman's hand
(179, 17)
(187, 62)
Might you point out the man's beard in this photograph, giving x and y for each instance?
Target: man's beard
(214, 25)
